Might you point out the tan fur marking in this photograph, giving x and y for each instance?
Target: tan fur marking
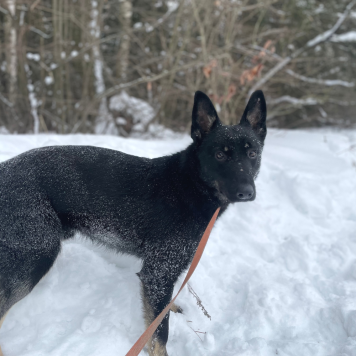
(176, 308)
(1, 321)
(147, 310)
(153, 346)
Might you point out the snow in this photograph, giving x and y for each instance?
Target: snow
(329, 33)
(172, 5)
(345, 37)
(48, 80)
(137, 108)
(327, 82)
(292, 100)
(278, 276)
(11, 5)
(34, 103)
(142, 113)
(138, 25)
(34, 56)
(320, 38)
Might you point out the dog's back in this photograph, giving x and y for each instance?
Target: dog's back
(124, 202)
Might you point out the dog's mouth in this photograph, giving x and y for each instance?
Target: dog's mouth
(220, 193)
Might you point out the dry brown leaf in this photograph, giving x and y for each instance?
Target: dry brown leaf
(262, 53)
(267, 44)
(209, 67)
(250, 74)
(231, 91)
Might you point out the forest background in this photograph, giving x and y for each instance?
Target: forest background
(128, 67)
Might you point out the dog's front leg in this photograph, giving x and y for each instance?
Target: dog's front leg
(156, 291)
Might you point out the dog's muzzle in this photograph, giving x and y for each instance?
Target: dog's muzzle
(245, 192)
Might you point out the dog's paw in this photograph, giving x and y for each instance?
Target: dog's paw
(176, 309)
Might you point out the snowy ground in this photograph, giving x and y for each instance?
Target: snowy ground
(278, 276)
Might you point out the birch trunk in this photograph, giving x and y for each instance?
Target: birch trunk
(123, 60)
(104, 122)
(11, 54)
(34, 103)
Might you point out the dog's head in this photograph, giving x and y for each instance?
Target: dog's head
(230, 156)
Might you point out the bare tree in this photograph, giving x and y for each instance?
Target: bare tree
(11, 49)
(123, 57)
(103, 120)
(61, 62)
(323, 37)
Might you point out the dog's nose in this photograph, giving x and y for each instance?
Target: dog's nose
(245, 192)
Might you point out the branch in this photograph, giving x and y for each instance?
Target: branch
(39, 32)
(327, 34)
(119, 87)
(3, 10)
(342, 102)
(327, 82)
(5, 101)
(294, 101)
(318, 39)
(199, 302)
(33, 6)
(160, 20)
(201, 30)
(344, 37)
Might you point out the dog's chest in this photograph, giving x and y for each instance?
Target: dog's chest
(142, 233)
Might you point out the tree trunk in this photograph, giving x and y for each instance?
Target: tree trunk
(104, 123)
(123, 60)
(11, 54)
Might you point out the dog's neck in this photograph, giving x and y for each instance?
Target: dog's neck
(190, 167)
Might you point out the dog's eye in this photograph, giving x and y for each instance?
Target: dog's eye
(220, 156)
(252, 154)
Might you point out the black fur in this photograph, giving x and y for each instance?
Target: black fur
(155, 209)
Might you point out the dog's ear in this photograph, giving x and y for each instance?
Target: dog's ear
(255, 114)
(204, 117)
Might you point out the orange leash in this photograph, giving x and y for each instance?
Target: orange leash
(141, 342)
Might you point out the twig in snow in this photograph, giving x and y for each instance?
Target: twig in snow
(196, 332)
(351, 148)
(199, 302)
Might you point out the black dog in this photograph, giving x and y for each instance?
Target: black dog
(155, 209)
